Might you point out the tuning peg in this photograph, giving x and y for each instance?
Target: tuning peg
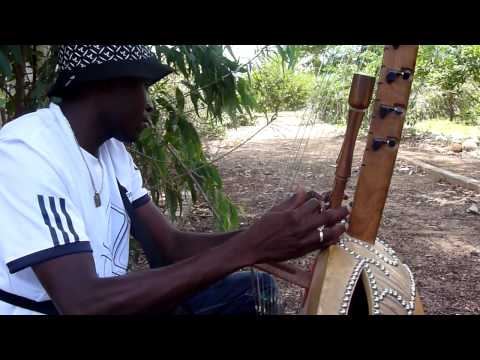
(377, 143)
(393, 73)
(385, 110)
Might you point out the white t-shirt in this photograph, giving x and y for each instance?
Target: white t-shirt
(47, 206)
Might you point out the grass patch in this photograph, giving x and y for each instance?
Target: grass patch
(447, 128)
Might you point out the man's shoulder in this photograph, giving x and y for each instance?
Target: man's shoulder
(32, 137)
(117, 150)
(30, 128)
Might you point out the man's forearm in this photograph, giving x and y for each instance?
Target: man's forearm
(191, 243)
(172, 244)
(154, 291)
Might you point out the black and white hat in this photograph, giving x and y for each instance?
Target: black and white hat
(78, 64)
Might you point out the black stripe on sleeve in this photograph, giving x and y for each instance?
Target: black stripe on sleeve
(46, 219)
(141, 201)
(57, 219)
(69, 219)
(48, 254)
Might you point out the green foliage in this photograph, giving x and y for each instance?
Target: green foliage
(210, 78)
(335, 67)
(174, 163)
(278, 88)
(26, 72)
(446, 84)
(448, 129)
(445, 81)
(205, 95)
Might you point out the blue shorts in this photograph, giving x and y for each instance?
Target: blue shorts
(235, 294)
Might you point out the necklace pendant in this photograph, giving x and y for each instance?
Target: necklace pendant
(97, 200)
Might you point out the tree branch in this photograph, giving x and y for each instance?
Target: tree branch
(189, 173)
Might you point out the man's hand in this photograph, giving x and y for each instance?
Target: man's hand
(300, 197)
(290, 230)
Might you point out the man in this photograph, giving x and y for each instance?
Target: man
(65, 226)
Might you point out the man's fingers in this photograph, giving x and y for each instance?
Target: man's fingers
(332, 216)
(309, 207)
(312, 219)
(326, 196)
(331, 236)
(292, 202)
(314, 195)
(299, 198)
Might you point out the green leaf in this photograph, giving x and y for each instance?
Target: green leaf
(17, 53)
(213, 173)
(192, 189)
(171, 202)
(38, 90)
(5, 67)
(165, 104)
(229, 48)
(180, 62)
(146, 137)
(194, 97)
(180, 100)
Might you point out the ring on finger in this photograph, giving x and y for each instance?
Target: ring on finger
(320, 232)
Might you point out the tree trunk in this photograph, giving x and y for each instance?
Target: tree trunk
(19, 98)
(3, 117)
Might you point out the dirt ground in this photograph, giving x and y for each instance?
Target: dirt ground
(440, 154)
(425, 221)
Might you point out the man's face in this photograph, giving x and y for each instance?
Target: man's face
(126, 109)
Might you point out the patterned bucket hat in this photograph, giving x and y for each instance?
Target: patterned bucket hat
(78, 64)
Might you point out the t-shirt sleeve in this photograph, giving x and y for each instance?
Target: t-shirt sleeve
(139, 195)
(39, 220)
(128, 174)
